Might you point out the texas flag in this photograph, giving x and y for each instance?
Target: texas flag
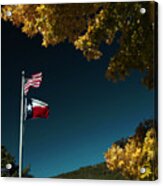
(36, 109)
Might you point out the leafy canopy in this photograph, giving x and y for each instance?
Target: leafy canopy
(87, 26)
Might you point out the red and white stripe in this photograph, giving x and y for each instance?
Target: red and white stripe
(40, 109)
(34, 82)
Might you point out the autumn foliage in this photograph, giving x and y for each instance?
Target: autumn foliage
(87, 26)
(140, 151)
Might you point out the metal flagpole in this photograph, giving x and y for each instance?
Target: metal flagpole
(21, 124)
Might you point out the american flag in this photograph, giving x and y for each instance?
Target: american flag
(34, 81)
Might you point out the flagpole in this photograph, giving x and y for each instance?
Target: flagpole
(21, 123)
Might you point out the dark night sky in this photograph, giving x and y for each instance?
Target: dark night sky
(87, 112)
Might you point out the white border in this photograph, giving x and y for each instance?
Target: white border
(59, 182)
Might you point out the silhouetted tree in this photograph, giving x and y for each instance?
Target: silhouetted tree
(7, 158)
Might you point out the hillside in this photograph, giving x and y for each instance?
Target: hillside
(99, 171)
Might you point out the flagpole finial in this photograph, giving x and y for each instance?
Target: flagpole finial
(23, 72)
